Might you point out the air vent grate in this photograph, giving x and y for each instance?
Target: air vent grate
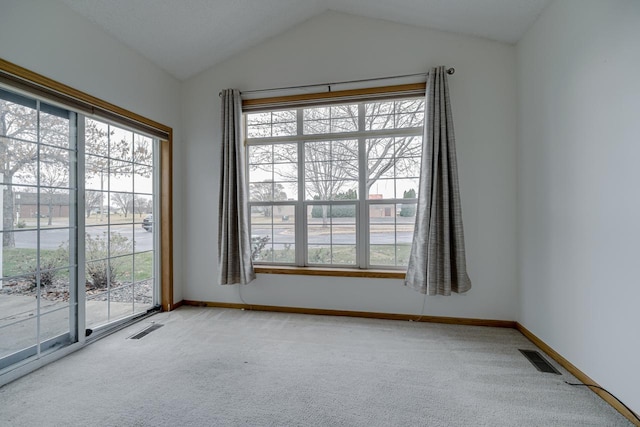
(539, 362)
(146, 331)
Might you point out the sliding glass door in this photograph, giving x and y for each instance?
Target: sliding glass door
(38, 298)
(77, 216)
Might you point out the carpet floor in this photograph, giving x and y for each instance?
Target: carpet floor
(223, 367)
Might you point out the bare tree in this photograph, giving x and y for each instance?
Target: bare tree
(124, 201)
(142, 205)
(103, 147)
(332, 167)
(267, 191)
(22, 124)
(53, 176)
(19, 128)
(92, 201)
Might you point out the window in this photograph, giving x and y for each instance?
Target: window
(335, 185)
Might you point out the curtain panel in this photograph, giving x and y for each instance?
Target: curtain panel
(437, 264)
(234, 241)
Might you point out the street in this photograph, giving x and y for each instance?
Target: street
(52, 239)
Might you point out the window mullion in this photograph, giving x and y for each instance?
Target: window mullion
(301, 226)
(79, 284)
(361, 212)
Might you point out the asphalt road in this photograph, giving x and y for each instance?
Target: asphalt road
(281, 235)
(51, 239)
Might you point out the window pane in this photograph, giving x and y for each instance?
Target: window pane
(285, 172)
(260, 154)
(96, 243)
(331, 234)
(55, 208)
(93, 203)
(54, 167)
(391, 233)
(16, 336)
(55, 323)
(20, 117)
(284, 234)
(261, 173)
(269, 124)
(331, 170)
(96, 138)
(55, 130)
(96, 173)
(393, 166)
(143, 266)
(319, 254)
(395, 114)
(142, 149)
(120, 176)
(332, 119)
(273, 172)
(285, 153)
(143, 179)
(121, 208)
(25, 207)
(22, 157)
(120, 144)
(142, 207)
(273, 233)
(19, 256)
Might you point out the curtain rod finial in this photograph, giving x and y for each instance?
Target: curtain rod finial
(451, 70)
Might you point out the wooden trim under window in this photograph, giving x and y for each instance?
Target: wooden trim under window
(335, 272)
(49, 88)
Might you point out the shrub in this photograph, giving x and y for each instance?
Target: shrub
(258, 243)
(104, 271)
(408, 210)
(48, 263)
(337, 211)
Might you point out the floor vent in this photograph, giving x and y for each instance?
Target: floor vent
(539, 362)
(146, 331)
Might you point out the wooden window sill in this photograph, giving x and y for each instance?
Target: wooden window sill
(336, 272)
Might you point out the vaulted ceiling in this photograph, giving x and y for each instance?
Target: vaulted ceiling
(185, 37)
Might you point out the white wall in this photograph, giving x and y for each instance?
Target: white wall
(579, 174)
(336, 47)
(50, 39)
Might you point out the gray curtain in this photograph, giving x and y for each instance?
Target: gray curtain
(234, 242)
(437, 263)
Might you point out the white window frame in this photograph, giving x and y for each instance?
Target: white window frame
(362, 204)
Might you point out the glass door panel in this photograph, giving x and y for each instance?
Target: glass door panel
(38, 234)
(119, 244)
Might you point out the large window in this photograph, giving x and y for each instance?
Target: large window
(335, 185)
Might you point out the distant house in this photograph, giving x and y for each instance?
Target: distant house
(379, 211)
(56, 205)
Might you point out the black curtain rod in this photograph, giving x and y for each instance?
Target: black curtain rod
(449, 71)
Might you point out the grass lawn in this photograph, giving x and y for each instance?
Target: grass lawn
(21, 261)
(380, 255)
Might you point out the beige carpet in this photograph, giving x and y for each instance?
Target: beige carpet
(237, 368)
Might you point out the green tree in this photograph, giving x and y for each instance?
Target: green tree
(408, 209)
